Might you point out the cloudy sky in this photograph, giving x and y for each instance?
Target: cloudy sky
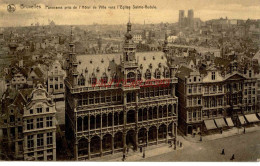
(167, 11)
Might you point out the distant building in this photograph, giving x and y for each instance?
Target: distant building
(55, 81)
(188, 21)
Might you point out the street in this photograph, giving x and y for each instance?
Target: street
(245, 147)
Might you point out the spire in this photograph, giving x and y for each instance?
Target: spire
(129, 23)
(71, 34)
(129, 16)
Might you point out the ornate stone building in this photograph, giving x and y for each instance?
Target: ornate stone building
(216, 97)
(39, 129)
(117, 101)
(27, 121)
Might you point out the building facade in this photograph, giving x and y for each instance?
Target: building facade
(117, 101)
(55, 80)
(214, 99)
(39, 127)
(28, 125)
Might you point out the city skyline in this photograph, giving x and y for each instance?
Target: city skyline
(167, 11)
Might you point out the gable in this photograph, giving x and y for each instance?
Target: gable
(235, 76)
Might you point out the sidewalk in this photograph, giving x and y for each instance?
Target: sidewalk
(226, 133)
(150, 151)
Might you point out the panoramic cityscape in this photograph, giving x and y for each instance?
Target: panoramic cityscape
(187, 90)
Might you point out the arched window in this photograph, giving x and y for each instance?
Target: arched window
(130, 77)
(148, 74)
(166, 73)
(81, 80)
(115, 78)
(104, 78)
(139, 75)
(157, 74)
(93, 79)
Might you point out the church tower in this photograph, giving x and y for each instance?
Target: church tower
(72, 63)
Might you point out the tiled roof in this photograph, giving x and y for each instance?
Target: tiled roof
(108, 63)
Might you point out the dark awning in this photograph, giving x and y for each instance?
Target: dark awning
(251, 118)
(229, 122)
(210, 124)
(220, 122)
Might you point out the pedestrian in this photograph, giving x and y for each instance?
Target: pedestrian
(221, 130)
(244, 130)
(223, 152)
(123, 157)
(141, 149)
(233, 157)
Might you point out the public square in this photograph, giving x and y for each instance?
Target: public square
(245, 147)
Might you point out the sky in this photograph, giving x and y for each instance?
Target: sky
(166, 11)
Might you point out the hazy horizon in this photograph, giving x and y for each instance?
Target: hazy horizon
(167, 11)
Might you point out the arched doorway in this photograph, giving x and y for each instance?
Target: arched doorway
(107, 142)
(152, 134)
(95, 145)
(162, 133)
(130, 138)
(118, 140)
(83, 147)
(142, 136)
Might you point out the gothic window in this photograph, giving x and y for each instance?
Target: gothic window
(104, 78)
(81, 81)
(130, 77)
(157, 74)
(115, 78)
(166, 73)
(93, 79)
(139, 75)
(148, 74)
